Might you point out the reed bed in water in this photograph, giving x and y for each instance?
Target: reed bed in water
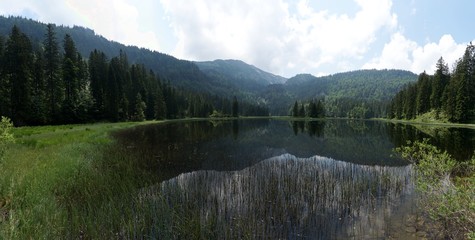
(281, 197)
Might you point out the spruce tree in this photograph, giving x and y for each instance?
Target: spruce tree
(295, 110)
(54, 85)
(18, 63)
(235, 111)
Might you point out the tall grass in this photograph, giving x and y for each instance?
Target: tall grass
(67, 182)
(282, 197)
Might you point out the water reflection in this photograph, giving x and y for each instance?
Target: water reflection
(266, 179)
(458, 142)
(288, 197)
(174, 148)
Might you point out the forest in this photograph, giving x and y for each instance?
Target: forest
(447, 96)
(46, 82)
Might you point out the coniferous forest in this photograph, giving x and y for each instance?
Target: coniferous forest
(447, 95)
(49, 82)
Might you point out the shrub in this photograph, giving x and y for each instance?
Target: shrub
(446, 197)
(5, 136)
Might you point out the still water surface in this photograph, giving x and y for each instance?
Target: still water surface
(333, 179)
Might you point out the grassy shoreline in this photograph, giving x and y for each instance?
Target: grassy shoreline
(65, 182)
(434, 123)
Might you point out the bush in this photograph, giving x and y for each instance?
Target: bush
(446, 196)
(5, 136)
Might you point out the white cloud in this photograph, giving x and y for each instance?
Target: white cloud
(402, 53)
(266, 33)
(117, 20)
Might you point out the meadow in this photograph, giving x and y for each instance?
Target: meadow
(67, 182)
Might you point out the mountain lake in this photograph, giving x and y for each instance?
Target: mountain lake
(278, 179)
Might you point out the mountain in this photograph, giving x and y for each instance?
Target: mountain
(180, 73)
(361, 84)
(239, 74)
(355, 87)
(342, 92)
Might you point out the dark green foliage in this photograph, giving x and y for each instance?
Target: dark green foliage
(235, 107)
(18, 73)
(423, 93)
(312, 109)
(47, 87)
(54, 85)
(439, 82)
(450, 94)
(359, 94)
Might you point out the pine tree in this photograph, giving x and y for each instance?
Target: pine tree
(38, 94)
(423, 94)
(235, 110)
(295, 110)
(98, 68)
(139, 111)
(70, 80)
(439, 82)
(54, 85)
(302, 111)
(320, 108)
(312, 110)
(19, 56)
(160, 106)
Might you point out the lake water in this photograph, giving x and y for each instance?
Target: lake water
(273, 179)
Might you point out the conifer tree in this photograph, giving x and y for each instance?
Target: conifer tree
(235, 110)
(295, 109)
(54, 85)
(18, 63)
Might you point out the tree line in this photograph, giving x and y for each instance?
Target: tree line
(449, 95)
(45, 83)
(311, 109)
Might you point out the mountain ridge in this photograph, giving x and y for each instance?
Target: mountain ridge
(229, 77)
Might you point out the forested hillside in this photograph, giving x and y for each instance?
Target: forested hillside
(197, 87)
(55, 84)
(239, 75)
(356, 94)
(444, 96)
(180, 73)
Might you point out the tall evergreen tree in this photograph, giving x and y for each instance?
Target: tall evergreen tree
(54, 85)
(139, 109)
(423, 94)
(312, 110)
(295, 109)
(19, 56)
(160, 105)
(70, 80)
(439, 82)
(38, 94)
(235, 107)
(302, 110)
(98, 68)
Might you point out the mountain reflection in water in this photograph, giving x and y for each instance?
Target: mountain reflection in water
(289, 197)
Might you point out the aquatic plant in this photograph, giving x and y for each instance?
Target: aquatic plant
(281, 197)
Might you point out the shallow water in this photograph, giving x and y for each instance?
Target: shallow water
(289, 197)
(333, 179)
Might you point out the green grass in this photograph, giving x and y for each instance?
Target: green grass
(67, 182)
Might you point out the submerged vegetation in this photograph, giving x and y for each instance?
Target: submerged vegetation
(281, 197)
(447, 190)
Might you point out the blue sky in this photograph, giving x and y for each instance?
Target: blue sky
(280, 36)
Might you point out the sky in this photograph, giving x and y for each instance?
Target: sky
(284, 37)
